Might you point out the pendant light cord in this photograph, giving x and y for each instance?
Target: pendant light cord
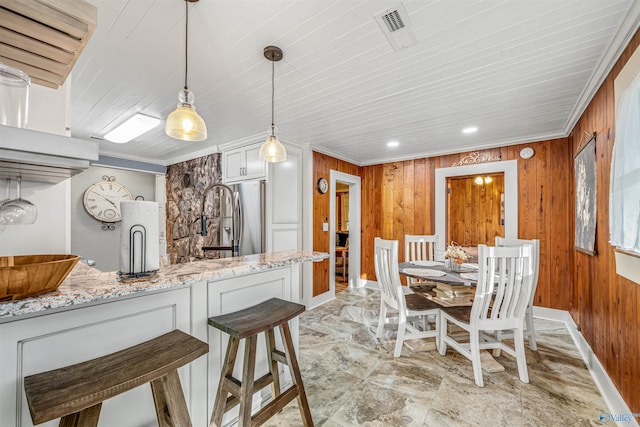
(273, 90)
(186, 41)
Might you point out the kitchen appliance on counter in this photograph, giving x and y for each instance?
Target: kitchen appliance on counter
(233, 218)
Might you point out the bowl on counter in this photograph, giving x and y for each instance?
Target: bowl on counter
(24, 276)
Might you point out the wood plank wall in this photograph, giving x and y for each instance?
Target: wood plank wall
(398, 198)
(606, 306)
(474, 210)
(322, 164)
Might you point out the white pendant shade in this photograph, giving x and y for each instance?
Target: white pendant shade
(184, 123)
(272, 149)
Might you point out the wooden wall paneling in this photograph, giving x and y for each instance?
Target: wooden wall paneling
(408, 201)
(432, 165)
(600, 295)
(398, 206)
(555, 260)
(420, 192)
(321, 212)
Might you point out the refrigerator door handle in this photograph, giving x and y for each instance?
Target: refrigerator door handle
(238, 224)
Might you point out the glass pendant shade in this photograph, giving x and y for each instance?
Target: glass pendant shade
(184, 123)
(272, 149)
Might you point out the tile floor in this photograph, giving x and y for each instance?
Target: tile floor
(352, 379)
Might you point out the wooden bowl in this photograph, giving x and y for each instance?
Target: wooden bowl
(24, 276)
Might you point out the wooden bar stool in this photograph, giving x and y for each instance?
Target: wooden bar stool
(76, 392)
(248, 323)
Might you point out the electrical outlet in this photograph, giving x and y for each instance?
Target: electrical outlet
(325, 226)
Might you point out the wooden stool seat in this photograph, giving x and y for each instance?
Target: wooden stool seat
(247, 324)
(76, 392)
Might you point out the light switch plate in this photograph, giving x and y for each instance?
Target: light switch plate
(325, 226)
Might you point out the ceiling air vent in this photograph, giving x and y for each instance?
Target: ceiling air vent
(396, 26)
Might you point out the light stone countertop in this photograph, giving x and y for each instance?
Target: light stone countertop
(86, 285)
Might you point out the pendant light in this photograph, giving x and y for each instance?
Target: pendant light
(272, 149)
(184, 123)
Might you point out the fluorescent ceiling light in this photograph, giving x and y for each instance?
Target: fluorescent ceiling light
(393, 144)
(132, 128)
(471, 129)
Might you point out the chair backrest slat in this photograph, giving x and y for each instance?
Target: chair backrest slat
(504, 283)
(535, 258)
(387, 274)
(420, 247)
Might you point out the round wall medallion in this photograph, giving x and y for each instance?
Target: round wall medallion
(323, 185)
(527, 153)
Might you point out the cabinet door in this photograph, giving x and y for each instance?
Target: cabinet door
(54, 340)
(233, 163)
(255, 168)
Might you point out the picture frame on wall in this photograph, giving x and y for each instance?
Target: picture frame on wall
(586, 191)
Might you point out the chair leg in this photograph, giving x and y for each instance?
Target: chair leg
(442, 333)
(437, 331)
(518, 343)
(530, 329)
(88, 417)
(381, 319)
(474, 346)
(171, 407)
(220, 403)
(402, 327)
(294, 369)
(273, 364)
(248, 371)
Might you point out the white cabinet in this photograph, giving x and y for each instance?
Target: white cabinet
(42, 343)
(243, 164)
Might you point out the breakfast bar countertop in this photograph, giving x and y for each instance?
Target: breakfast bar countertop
(86, 285)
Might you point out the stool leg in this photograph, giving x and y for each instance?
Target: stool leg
(246, 389)
(305, 412)
(86, 418)
(273, 364)
(171, 407)
(227, 370)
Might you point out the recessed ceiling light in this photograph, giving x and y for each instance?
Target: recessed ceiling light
(471, 129)
(393, 144)
(132, 128)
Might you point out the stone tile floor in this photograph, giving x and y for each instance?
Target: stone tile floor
(352, 379)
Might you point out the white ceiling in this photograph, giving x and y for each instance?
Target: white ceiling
(518, 70)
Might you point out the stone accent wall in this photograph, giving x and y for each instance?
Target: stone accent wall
(186, 183)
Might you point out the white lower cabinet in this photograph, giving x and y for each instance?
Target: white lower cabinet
(47, 342)
(53, 340)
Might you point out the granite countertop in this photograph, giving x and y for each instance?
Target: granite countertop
(88, 285)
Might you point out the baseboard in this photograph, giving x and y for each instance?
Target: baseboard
(619, 412)
(370, 284)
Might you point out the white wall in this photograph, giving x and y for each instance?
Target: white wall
(87, 237)
(49, 234)
(48, 112)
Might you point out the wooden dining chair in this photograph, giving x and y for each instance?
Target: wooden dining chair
(529, 330)
(419, 248)
(393, 296)
(501, 299)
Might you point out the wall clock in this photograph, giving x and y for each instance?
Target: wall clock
(102, 199)
(323, 185)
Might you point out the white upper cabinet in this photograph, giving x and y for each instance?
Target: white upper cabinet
(243, 164)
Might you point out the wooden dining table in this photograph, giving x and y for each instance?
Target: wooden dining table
(412, 269)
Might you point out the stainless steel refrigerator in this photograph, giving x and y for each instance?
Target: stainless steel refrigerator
(235, 219)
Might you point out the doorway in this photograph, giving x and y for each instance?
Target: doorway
(475, 210)
(344, 231)
(342, 235)
(509, 168)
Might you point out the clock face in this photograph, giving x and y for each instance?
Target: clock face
(102, 200)
(323, 185)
